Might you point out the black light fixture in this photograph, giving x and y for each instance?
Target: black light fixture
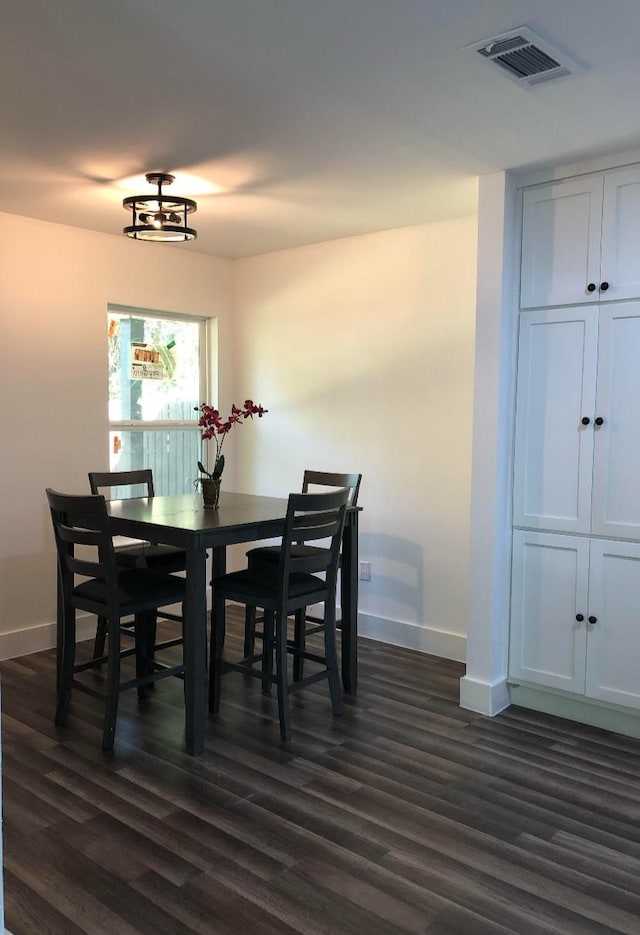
(159, 216)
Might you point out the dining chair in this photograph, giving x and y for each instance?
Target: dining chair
(269, 556)
(139, 554)
(112, 593)
(298, 579)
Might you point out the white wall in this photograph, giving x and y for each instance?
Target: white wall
(55, 285)
(362, 349)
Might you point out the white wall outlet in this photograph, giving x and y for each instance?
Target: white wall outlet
(365, 571)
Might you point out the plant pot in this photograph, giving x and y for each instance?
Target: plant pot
(210, 492)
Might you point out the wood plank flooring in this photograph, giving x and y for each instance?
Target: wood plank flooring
(407, 815)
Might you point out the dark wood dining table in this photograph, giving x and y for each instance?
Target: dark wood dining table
(183, 521)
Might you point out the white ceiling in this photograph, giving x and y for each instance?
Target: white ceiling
(301, 120)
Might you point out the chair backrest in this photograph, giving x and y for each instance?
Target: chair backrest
(310, 517)
(82, 521)
(101, 481)
(328, 479)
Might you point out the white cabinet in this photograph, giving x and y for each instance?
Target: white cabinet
(580, 239)
(615, 507)
(556, 389)
(577, 441)
(574, 624)
(575, 589)
(548, 644)
(613, 656)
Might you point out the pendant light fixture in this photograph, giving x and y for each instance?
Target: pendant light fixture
(158, 216)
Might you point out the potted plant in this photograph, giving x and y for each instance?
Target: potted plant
(216, 428)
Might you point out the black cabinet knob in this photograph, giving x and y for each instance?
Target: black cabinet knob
(585, 420)
(604, 286)
(579, 617)
(591, 287)
(599, 421)
(593, 619)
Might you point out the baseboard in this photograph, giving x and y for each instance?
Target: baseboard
(594, 713)
(42, 636)
(408, 635)
(488, 698)
(411, 636)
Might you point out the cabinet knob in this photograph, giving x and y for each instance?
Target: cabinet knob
(604, 286)
(591, 287)
(593, 619)
(599, 421)
(579, 617)
(585, 420)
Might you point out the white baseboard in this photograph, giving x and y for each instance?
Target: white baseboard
(42, 636)
(595, 713)
(408, 635)
(411, 636)
(488, 698)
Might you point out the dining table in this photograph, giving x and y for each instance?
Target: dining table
(182, 520)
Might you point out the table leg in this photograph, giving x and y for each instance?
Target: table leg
(195, 641)
(349, 602)
(218, 568)
(219, 561)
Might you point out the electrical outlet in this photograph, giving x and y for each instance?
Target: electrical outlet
(365, 571)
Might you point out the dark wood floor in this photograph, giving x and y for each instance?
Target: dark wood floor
(408, 815)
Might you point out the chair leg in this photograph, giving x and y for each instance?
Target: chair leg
(66, 657)
(331, 657)
(267, 652)
(299, 643)
(218, 624)
(151, 647)
(145, 641)
(101, 635)
(112, 688)
(59, 632)
(282, 677)
(249, 631)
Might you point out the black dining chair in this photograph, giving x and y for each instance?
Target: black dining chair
(269, 555)
(297, 580)
(85, 551)
(150, 555)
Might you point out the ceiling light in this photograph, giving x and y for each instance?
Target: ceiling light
(158, 216)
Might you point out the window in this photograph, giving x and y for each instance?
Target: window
(156, 379)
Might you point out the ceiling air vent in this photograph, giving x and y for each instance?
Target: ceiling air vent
(525, 57)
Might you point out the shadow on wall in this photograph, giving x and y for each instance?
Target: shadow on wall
(399, 574)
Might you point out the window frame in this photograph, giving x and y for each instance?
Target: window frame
(205, 377)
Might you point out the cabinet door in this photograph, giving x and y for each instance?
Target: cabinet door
(616, 465)
(620, 257)
(561, 242)
(556, 390)
(613, 641)
(549, 588)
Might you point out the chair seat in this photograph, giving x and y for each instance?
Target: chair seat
(137, 588)
(165, 558)
(261, 585)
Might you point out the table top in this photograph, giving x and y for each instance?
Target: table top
(238, 517)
